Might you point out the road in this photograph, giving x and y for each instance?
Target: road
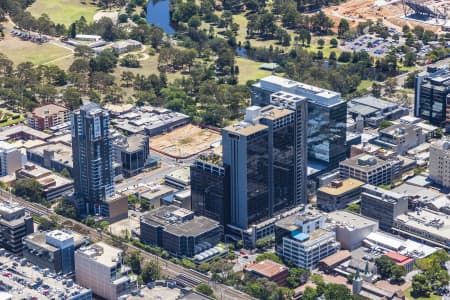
(168, 268)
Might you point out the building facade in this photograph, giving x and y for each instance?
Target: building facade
(382, 205)
(46, 116)
(208, 190)
(439, 166)
(178, 231)
(92, 156)
(327, 116)
(15, 224)
(100, 268)
(431, 101)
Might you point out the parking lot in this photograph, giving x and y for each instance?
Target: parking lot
(372, 44)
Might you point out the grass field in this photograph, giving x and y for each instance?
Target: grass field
(249, 70)
(63, 11)
(21, 51)
(365, 85)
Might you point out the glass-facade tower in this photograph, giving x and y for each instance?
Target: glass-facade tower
(92, 156)
(327, 117)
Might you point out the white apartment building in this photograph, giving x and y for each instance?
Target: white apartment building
(439, 167)
(10, 159)
(303, 239)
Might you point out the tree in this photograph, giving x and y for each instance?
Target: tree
(309, 294)
(421, 287)
(354, 207)
(390, 85)
(297, 276)
(336, 292)
(205, 289)
(66, 209)
(72, 98)
(343, 27)
(376, 89)
(134, 261)
(385, 124)
(334, 43)
(127, 77)
(151, 271)
(83, 51)
(29, 189)
(384, 265)
(321, 43)
(397, 272)
(269, 255)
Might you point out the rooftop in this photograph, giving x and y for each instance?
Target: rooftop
(60, 151)
(442, 145)
(245, 128)
(48, 110)
(102, 253)
(266, 268)
(132, 143)
(179, 221)
(362, 110)
(5, 146)
(374, 102)
(364, 162)
(350, 220)
(425, 220)
(272, 112)
(12, 132)
(342, 186)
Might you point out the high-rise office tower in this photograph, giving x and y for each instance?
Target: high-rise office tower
(92, 156)
(327, 117)
(246, 155)
(431, 96)
(265, 160)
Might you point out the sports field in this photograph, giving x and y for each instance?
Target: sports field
(64, 11)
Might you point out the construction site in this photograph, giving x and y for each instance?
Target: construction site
(185, 141)
(431, 14)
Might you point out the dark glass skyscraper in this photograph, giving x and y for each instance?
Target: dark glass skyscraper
(432, 97)
(327, 117)
(92, 156)
(265, 159)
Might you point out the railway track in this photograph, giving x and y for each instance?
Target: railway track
(186, 276)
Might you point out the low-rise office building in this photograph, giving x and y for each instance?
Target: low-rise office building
(382, 205)
(100, 268)
(53, 250)
(370, 169)
(425, 225)
(400, 137)
(54, 156)
(133, 153)
(53, 185)
(338, 194)
(178, 231)
(15, 224)
(303, 239)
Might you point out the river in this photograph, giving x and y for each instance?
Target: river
(158, 14)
